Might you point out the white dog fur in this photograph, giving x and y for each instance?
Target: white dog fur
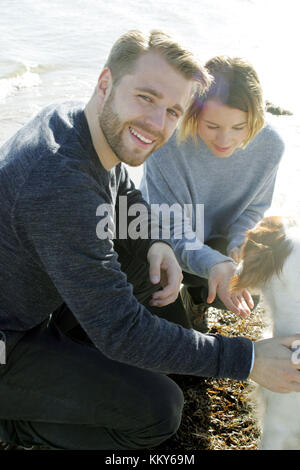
(273, 267)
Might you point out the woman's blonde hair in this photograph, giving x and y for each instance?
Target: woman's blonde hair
(234, 83)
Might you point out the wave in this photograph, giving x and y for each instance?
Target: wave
(22, 76)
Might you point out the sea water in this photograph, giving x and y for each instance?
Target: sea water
(53, 50)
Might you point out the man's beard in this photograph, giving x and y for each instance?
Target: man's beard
(113, 128)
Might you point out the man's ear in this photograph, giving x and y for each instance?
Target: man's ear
(104, 84)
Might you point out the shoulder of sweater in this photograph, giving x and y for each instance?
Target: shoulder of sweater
(61, 109)
(55, 115)
(270, 136)
(171, 153)
(267, 143)
(52, 137)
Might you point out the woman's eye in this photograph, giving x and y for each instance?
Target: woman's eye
(212, 127)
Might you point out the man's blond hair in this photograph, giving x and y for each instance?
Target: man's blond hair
(235, 84)
(131, 45)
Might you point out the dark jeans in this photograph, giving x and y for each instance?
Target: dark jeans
(64, 394)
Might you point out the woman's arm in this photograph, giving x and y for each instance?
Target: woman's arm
(254, 212)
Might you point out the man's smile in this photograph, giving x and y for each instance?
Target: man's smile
(141, 137)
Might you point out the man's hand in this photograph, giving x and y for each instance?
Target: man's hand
(274, 367)
(239, 302)
(164, 269)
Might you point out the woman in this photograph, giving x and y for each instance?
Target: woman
(225, 157)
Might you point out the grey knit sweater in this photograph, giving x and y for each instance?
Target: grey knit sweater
(235, 191)
(51, 184)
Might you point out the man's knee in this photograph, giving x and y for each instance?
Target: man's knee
(162, 416)
(171, 407)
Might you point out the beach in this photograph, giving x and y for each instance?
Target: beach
(54, 51)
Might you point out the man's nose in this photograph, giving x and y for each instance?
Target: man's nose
(156, 119)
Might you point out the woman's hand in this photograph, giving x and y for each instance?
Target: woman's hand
(235, 253)
(239, 302)
(164, 269)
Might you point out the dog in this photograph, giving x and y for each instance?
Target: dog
(270, 262)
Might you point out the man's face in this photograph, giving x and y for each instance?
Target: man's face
(142, 110)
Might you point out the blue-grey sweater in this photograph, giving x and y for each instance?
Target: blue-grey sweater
(51, 184)
(235, 192)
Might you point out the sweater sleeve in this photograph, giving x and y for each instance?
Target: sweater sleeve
(254, 212)
(55, 221)
(268, 149)
(186, 232)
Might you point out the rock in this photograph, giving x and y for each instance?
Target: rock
(277, 110)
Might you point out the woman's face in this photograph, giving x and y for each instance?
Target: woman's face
(221, 128)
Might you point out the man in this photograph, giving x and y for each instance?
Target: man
(106, 385)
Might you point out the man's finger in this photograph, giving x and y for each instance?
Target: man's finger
(162, 302)
(165, 296)
(164, 293)
(171, 288)
(154, 269)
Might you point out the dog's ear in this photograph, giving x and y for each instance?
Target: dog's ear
(256, 267)
(263, 254)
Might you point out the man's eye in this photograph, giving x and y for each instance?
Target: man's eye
(172, 112)
(146, 98)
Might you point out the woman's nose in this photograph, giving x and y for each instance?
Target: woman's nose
(223, 139)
